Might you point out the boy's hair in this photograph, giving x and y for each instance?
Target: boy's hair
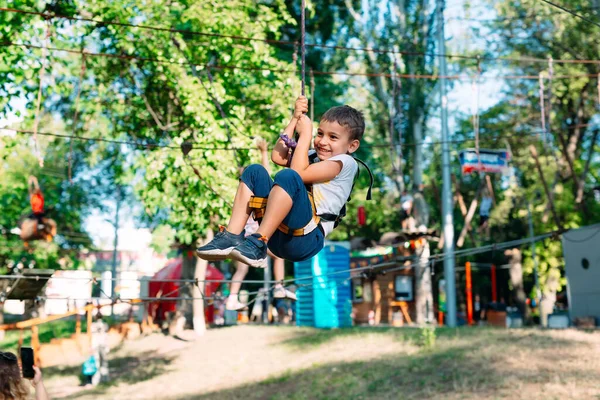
(348, 117)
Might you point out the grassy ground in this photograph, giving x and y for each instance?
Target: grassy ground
(259, 362)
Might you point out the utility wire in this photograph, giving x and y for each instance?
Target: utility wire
(572, 13)
(435, 257)
(149, 146)
(291, 42)
(336, 73)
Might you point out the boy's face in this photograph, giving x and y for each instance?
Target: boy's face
(333, 139)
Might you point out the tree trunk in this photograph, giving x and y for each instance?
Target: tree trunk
(1, 320)
(188, 270)
(423, 287)
(516, 280)
(549, 296)
(199, 290)
(418, 151)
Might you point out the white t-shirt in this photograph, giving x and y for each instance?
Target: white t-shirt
(331, 196)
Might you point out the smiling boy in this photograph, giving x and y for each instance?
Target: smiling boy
(304, 200)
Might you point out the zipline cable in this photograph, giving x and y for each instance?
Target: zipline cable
(292, 42)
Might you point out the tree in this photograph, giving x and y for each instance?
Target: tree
(212, 92)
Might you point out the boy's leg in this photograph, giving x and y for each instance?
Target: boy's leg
(255, 181)
(280, 292)
(288, 203)
(233, 302)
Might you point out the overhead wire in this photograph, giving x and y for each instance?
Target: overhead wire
(148, 146)
(288, 42)
(573, 13)
(435, 257)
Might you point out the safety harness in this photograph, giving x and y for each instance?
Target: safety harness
(259, 204)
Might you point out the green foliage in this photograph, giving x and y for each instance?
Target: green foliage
(427, 337)
(572, 104)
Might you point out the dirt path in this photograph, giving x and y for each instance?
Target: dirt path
(259, 362)
(223, 358)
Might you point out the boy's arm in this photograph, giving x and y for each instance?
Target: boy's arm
(264, 156)
(311, 173)
(280, 153)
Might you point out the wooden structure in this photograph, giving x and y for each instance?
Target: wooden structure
(381, 297)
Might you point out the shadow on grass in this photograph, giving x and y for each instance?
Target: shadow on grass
(474, 367)
(126, 369)
(308, 337)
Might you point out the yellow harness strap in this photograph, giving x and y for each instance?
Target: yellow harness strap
(259, 204)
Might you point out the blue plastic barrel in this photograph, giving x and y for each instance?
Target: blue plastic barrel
(324, 296)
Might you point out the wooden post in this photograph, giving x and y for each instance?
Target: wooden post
(470, 214)
(77, 327)
(490, 188)
(35, 345)
(20, 342)
(494, 292)
(534, 154)
(463, 207)
(469, 290)
(89, 324)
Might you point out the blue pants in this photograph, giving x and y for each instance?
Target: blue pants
(293, 248)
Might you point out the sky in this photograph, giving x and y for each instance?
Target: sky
(461, 99)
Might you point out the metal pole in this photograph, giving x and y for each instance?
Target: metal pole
(267, 278)
(115, 252)
(447, 219)
(538, 292)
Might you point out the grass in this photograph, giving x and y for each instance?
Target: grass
(462, 363)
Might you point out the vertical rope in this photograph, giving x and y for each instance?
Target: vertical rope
(598, 88)
(303, 44)
(399, 115)
(312, 95)
(81, 74)
(36, 122)
(391, 114)
(549, 107)
(542, 109)
(476, 110)
(294, 67)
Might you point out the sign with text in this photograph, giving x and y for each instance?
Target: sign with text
(493, 161)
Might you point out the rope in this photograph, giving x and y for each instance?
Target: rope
(316, 45)
(286, 71)
(542, 108)
(572, 13)
(149, 146)
(476, 111)
(39, 94)
(81, 74)
(438, 257)
(550, 75)
(303, 44)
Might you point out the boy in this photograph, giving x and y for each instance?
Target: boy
(289, 227)
(279, 291)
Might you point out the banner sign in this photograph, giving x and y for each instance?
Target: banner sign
(493, 161)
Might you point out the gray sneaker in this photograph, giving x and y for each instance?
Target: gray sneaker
(220, 247)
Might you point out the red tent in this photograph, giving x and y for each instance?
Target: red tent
(172, 271)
